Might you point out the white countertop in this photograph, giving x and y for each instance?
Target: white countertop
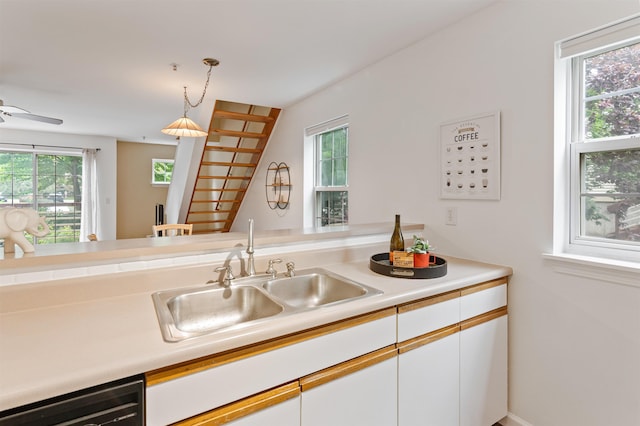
(57, 337)
(66, 255)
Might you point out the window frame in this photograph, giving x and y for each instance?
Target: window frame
(571, 142)
(314, 134)
(155, 161)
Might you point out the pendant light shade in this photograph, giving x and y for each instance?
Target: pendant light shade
(184, 127)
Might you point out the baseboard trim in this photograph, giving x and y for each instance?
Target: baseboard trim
(513, 420)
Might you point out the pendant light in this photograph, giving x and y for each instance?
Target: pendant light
(184, 126)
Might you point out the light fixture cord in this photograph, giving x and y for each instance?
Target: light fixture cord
(187, 102)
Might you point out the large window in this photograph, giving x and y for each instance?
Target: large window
(331, 164)
(602, 90)
(50, 183)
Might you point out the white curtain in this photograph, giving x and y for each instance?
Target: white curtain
(89, 217)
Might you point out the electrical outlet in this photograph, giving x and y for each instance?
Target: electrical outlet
(452, 216)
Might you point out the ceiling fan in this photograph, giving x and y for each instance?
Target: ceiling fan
(12, 111)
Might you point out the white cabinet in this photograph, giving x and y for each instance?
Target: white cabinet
(441, 361)
(428, 367)
(483, 373)
(483, 354)
(428, 315)
(428, 383)
(359, 392)
(452, 366)
(180, 392)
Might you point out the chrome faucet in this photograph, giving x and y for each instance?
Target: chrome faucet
(271, 270)
(251, 267)
(227, 275)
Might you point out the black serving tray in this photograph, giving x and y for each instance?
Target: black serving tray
(380, 263)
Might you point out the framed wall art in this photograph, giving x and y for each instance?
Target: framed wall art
(470, 158)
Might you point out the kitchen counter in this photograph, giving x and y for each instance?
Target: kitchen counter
(73, 255)
(65, 335)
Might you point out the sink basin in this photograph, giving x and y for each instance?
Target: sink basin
(316, 288)
(196, 311)
(187, 313)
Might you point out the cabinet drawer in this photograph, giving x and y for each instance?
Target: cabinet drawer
(425, 316)
(483, 298)
(238, 375)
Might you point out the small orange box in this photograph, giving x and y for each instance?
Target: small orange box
(402, 259)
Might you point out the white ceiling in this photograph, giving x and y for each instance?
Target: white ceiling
(103, 66)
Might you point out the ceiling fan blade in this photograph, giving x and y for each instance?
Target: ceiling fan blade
(37, 117)
(10, 109)
(1, 119)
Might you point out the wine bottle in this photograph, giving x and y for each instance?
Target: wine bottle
(397, 241)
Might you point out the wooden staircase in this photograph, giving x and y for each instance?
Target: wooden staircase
(238, 134)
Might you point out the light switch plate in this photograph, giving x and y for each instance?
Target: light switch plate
(452, 216)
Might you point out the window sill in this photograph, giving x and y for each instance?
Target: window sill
(613, 271)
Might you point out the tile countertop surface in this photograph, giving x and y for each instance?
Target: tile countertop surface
(57, 337)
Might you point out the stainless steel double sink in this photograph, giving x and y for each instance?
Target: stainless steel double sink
(195, 311)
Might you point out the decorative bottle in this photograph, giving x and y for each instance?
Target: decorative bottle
(397, 241)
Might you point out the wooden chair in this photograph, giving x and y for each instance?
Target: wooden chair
(172, 229)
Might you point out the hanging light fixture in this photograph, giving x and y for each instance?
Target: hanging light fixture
(184, 126)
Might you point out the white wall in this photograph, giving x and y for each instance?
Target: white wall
(574, 342)
(105, 165)
(188, 152)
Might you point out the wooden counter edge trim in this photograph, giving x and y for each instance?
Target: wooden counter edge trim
(244, 407)
(482, 318)
(204, 363)
(483, 286)
(432, 300)
(428, 301)
(425, 339)
(347, 367)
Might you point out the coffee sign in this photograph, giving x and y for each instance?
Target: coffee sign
(470, 158)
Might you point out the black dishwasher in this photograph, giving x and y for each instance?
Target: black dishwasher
(118, 403)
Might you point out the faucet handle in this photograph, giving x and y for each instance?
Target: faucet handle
(271, 270)
(227, 275)
(291, 269)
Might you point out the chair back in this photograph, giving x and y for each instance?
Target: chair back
(172, 229)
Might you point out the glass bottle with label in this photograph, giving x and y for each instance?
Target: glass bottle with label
(397, 241)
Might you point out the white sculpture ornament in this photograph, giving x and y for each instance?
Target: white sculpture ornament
(14, 222)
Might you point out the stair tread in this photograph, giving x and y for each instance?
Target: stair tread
(243, 117)
(227, 164)
(232, 149)
(237, 133)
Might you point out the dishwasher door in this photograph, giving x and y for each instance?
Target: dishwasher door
(119, 403)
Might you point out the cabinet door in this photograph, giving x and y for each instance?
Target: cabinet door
(428, 383)
(483, 372)
(284, 414)
(367, 396)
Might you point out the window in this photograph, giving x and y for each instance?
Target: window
(331, 164)
(601, 73)
(50, 183)
(161, 171)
